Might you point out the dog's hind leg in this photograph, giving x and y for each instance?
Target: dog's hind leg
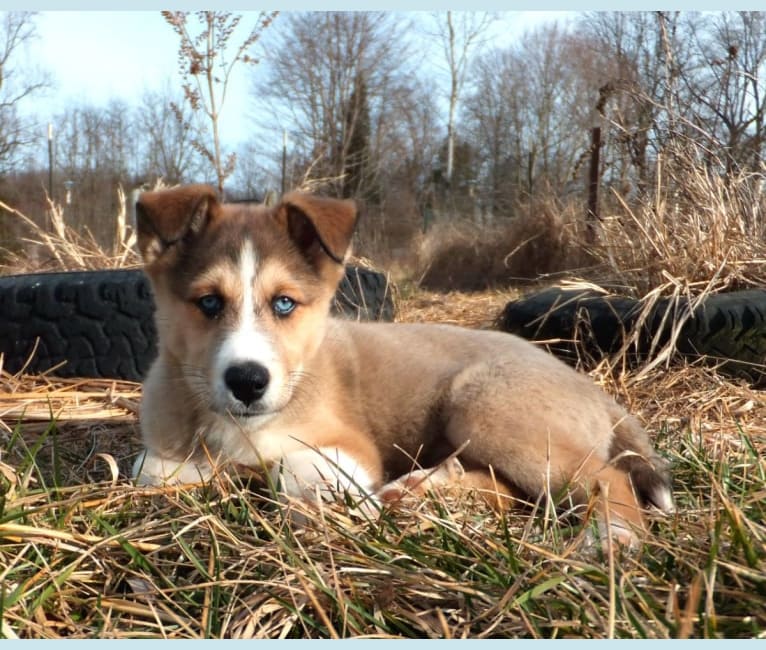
(617, 504)
(546, 430)
(449, 477)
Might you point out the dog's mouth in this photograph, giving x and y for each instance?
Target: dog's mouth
(223, 405)
(245, 412)
(242, 412)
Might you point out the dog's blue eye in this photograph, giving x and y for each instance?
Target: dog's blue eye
(283, 305)
(210, 305)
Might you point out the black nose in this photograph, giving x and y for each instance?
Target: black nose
(247, 381)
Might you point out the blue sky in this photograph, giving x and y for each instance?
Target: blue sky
(94, 56)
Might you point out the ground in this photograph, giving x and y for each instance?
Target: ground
(84, 554)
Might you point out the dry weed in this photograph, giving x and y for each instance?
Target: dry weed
(698, 228)
(62, 248)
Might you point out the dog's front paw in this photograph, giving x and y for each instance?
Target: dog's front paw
(323, 475)
(151, 469)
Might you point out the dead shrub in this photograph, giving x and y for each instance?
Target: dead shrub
(385, 234)
(541, 241)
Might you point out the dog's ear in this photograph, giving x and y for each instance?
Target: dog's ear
(320, 227)
(165, 218)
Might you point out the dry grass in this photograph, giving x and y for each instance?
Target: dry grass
(85, 554)
(476, 309)
(696, 232)
(698, 229)
(62, 247)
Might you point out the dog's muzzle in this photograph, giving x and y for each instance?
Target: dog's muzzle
(247, 382)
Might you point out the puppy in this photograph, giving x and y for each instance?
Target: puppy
(252, 370)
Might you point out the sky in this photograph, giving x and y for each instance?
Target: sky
(95, 56)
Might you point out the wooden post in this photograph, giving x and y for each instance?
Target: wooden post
(593, 183)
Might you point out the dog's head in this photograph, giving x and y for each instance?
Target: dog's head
(242, 291)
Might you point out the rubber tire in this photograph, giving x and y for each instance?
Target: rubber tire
(573, 322)
(364, 294)
(101, 323)
(728, 329)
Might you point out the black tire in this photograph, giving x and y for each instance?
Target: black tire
(574, 323)
(364, 294)
(101, 323)
(728, 329)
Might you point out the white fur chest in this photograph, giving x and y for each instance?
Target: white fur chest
(257, 441)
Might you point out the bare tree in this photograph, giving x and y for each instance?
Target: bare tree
(492, 119)
(251, 180)
(635, 60)
(673, 81)
(17, 85)
(334, 79)
(727, 85)
(411, 139)
(165, 131)
(528, 112)
(205, 63)
(459, 33)
(97, 153)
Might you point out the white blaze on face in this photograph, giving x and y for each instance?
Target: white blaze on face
(248, 342)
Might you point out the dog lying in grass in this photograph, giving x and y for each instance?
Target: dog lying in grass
(252, 370)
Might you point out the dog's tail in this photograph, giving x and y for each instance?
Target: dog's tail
(632, 452)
